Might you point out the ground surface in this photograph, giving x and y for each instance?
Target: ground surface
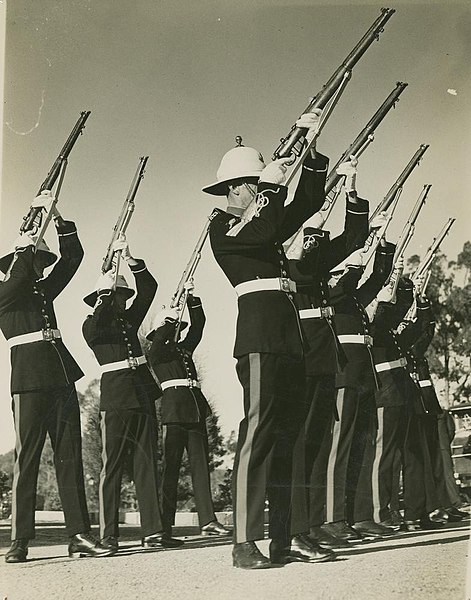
(415, 566)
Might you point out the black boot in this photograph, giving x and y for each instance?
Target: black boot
(83, 544)
(246, 555)
(304, 549)
(18, 551)
(111, 543)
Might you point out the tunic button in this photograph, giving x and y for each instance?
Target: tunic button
(284, 273)
(324, 301)
(279, 250)
(290, 296)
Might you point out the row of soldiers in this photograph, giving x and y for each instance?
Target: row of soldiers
(337, 389)
(335, 383)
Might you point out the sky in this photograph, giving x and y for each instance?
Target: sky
(178, 81)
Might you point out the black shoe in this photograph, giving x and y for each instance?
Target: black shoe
(373, 531)
(111, 543)
(215, 528)
(326, 540)
(420, 525)
(305, 550)
(83, 544)
(246, 555)
(426, 523)
(455, 515)
(396, 518)
(18, 551)
(161, 540)
(439, 516)
(341, 530)
(389, 523)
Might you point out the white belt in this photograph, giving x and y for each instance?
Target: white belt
(356, 338)
(46, 335)
(128, 363)
(387, 366)
(425, 383)
(277, 284)
(180, 383)
(316, 313)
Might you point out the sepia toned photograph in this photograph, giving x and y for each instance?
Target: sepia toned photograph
(235, 299)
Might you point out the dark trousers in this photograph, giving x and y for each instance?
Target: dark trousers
(123, 431)
(311, 455)
(435, 482)
(194, 438)
(54, 412)
(273, 414)
(399, 430)
(445, 440)
(345, 460)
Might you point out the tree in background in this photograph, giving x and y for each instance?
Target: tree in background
(449, 354)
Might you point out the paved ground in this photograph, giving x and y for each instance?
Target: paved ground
(413, 566)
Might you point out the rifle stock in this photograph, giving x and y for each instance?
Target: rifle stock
(409, 227)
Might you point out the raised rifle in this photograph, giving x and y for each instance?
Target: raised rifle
(409, 228)
(396, 188)
(293, 143)
(124, 217)
(426, 263)
(33, 222)
(180, 297)
(357, 147)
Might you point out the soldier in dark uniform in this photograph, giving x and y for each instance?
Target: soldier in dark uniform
(127, 400)
(397, 402)
(268, 346)
(184, 409)
(324, 356)
(43, 372)
(427, 412)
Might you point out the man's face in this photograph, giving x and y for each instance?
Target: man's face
(242, 192)
(120, 299)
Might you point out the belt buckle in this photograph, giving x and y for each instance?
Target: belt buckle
(415, 377)
(133, 362)
(285, 284)
(190, 382)
(327, 312)
(48, 335)
(368, 340)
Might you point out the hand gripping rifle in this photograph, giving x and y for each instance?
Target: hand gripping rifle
(404, 239)
(33, 222)
(389, 203)
(180, 297)
(292, 144)
(124, 218)
(422, 275)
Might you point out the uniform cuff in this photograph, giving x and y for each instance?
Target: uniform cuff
(66, 228)
(360, 207)
(141, 266)
(319, 164)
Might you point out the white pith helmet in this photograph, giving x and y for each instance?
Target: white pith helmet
(120, 283)
(159, 319)
(239, 163)
(46, 253)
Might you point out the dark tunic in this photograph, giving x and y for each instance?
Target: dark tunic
(26, 306)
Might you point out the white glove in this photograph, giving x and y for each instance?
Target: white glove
(189, 286)
(23, 241)
(106, 281)
(310, 121)
(355, 259)
(386, 294)
(166, 315)
(380, 220)
(44, 200)
(418, 283)
(317, 221)
(121, 245)
(275, 172)
(349, 169)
